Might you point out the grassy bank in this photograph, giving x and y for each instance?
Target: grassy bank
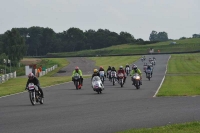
(180, 46)
(192, 127)
(114, 61)
(18, 84)
(183, 76)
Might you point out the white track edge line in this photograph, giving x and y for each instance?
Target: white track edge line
(163, 78)
(26, 91)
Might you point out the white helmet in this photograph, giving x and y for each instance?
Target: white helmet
(121, 67)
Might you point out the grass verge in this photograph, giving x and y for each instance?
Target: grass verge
(183, 76)
(191, 127)
(114, 61)
(185, 45)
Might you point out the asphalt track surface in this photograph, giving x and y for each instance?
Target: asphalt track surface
(85, 64)
(66, 110)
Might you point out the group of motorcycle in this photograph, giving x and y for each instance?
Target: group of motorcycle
(152, 63)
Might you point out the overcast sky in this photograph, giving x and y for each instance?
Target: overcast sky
(139, 17)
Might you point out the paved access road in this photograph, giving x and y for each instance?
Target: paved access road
(67, 110)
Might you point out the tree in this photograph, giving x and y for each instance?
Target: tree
(196, 36)
(14, 45)
(162, 36)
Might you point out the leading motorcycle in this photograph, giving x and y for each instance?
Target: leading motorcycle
(34, 94)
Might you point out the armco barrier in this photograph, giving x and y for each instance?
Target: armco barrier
(4, 78)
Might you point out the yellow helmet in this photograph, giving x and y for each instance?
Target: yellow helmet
(95, 70)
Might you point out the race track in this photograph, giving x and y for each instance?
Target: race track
(67, 110)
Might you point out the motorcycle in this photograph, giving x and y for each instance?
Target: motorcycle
(136, 80)
(97, 84)
(34, 94)
(142, 59)
(109, 75)
(114, 77)
(101, 73)
(77, 81)
(121, 79)
(148, 74)
(127, 71)
(144, 68)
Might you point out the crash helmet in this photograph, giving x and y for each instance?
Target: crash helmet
(135, 67)
(101, 67)
(121, 67)
(30, 75)
(95, 70)
(76, 68)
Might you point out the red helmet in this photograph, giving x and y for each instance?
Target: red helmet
(101, 67)
(30, 75)
(76, 68)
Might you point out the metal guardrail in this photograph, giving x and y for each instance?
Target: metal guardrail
(6, 77)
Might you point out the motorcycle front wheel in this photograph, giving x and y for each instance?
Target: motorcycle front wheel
(32, 98)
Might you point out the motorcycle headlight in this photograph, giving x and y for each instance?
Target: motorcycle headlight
(137, 77)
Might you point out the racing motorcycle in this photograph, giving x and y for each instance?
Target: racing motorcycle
(113, 77)
(121, 79)
(109, 75)
(101, 73)
(136, 80)
(97, 84)
(148, 74)
(77, 81)
(34, 94)
(127, 70)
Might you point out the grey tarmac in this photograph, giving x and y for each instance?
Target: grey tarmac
(67, 110)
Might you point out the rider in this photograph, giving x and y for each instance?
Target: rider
(35, 81)
(149, 68)
(113, 69)
(136, 70)
(96, 73)
(121, 70)
(154, 58)
(109, 69)
(101, 69)
(77, 70)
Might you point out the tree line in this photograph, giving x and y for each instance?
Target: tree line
(38, 41)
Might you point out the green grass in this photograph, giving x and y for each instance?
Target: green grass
(18, 84)
(183, 76)
(191, 127)
(181, 46)
(114, 61)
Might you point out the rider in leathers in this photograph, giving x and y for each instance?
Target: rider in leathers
(136, 70)
(149, 68)
(77, 70)
(35, 81)
(121, 70)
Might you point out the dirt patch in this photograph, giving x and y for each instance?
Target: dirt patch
(29, 61)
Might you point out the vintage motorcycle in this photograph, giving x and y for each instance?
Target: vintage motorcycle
(136, 80)
(97, 84)
(148, 74)
(127, 70)
(121, 79)
(34, 94)
(114, 77)
(77, 81)
(101, 73)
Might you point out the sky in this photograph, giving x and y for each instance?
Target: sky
(138, 17)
